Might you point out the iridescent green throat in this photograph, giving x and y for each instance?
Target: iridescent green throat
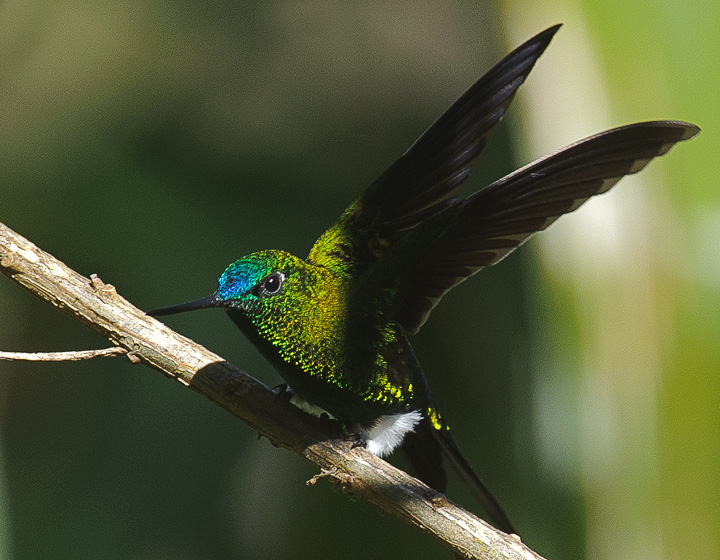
(331, 356)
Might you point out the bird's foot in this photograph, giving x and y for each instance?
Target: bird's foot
(357, 440)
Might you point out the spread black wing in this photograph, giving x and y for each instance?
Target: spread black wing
(482, 229)
(429, 176)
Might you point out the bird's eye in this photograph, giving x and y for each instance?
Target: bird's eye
(272, 284)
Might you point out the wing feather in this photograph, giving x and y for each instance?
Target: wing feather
(484, 228)
(428, 177)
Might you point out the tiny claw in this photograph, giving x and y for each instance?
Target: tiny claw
(357, 440)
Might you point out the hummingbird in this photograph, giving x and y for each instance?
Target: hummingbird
(335, 325)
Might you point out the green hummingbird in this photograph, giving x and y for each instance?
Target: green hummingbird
(336, 325)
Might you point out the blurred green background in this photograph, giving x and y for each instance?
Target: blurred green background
(153, 142)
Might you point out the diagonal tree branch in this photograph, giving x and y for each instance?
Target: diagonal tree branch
(147, 341)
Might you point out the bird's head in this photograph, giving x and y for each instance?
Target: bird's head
(255, 285)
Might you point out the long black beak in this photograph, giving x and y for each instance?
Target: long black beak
(204, 303)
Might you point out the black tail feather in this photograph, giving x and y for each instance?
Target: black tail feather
(468, 475)
(425, 448)
(426, 456)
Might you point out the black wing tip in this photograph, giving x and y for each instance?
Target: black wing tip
(543, 38)
(550, 31)
(687, 130)
(691, 130)
(531, 50)
(667, 131)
